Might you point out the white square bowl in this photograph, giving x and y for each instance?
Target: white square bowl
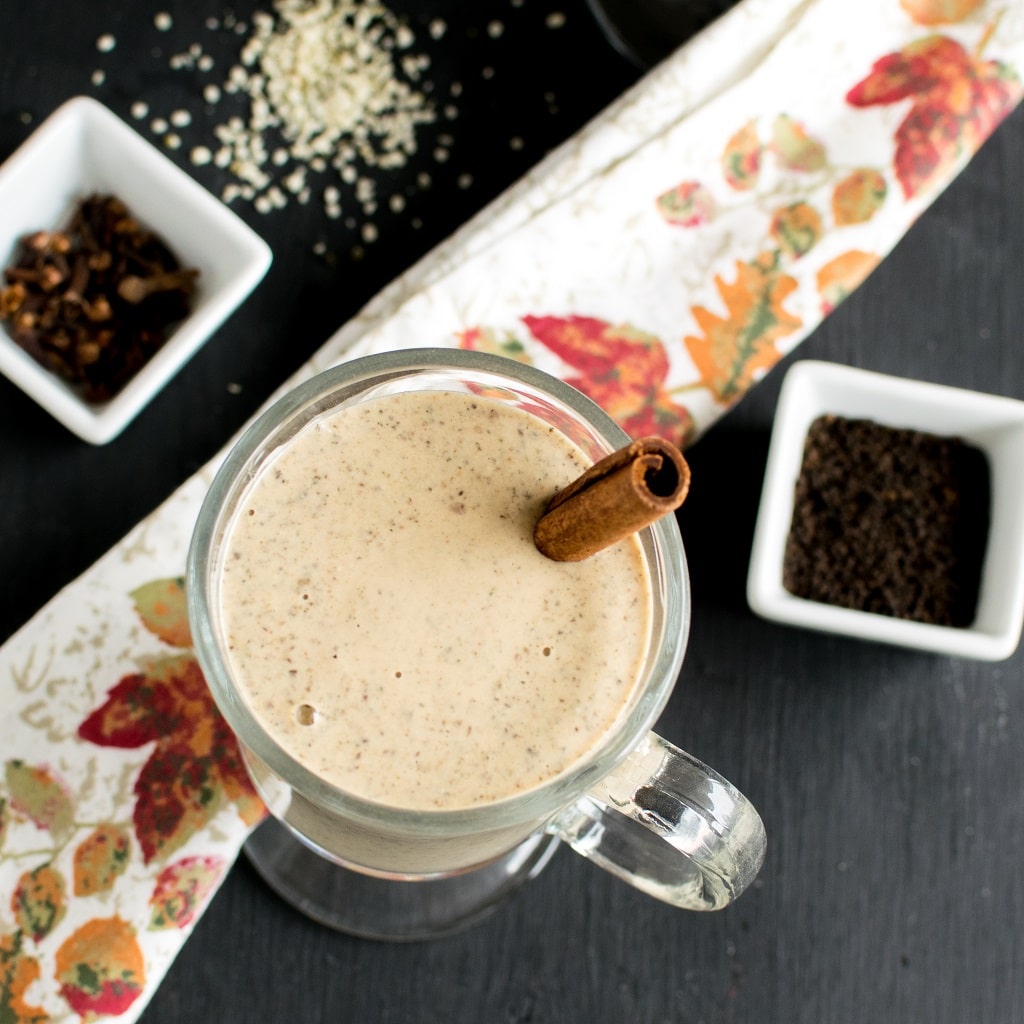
(991, 423)
(83, 148)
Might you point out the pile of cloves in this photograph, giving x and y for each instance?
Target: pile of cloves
(93, 301)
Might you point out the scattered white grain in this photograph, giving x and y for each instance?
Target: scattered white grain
(516, 142)
(556, 19)
(336, 82)
(158, 126)
(487, 72)
(464, 180)
(181, 118)
(296, 181)
(98, 77)
(163, 21)
(396, 203)
(369, 232)
(139, 110)
(190, 58)
(172, 140)
(200, 155)
(106, 43)
(495, 29)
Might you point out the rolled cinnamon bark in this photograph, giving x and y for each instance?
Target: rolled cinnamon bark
(623, 493)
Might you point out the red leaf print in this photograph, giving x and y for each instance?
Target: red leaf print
(101, 968)
(958, 100)
(181, 889)
(622, 369)
(195, 767)
(137, 711)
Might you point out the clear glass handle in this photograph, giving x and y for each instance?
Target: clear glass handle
(670, 826)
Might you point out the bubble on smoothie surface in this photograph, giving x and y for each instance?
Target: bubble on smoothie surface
(306, 714)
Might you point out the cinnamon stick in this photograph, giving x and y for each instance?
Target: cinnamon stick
(623, 493)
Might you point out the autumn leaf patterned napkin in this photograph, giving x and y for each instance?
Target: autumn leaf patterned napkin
(662, 261)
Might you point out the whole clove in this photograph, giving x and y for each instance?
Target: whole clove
(96, 299)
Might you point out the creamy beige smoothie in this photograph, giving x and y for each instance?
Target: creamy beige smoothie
(390, 622)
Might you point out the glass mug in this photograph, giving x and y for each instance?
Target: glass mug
(638, 806)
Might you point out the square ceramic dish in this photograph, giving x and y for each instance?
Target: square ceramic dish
(83, 148)
(991, 423)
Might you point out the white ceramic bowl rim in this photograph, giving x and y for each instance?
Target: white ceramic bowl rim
(84, 148)
(993, 423)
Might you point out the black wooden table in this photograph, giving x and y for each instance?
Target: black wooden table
(889, 781)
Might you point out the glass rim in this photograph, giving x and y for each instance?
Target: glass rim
(663, 551)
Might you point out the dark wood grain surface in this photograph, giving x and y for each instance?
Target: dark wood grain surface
(890, 782)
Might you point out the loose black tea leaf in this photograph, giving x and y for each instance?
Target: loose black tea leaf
(889, 520)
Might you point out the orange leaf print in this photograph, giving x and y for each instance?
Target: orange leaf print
(857, 198)
(161, 606)
(840, 276)
(621, 368)
(796, 229)
(100, 859)
(741, 160)
(934, 12)
(39, 901)
(17, 972)
(731, 350)
(195, 767)
(957, 101)
(100, 968)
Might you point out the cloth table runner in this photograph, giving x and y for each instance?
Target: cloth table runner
(662, 261)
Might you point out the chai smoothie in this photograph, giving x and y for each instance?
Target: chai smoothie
(390, 622)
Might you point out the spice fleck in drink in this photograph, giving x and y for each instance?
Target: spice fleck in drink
(390, 622)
